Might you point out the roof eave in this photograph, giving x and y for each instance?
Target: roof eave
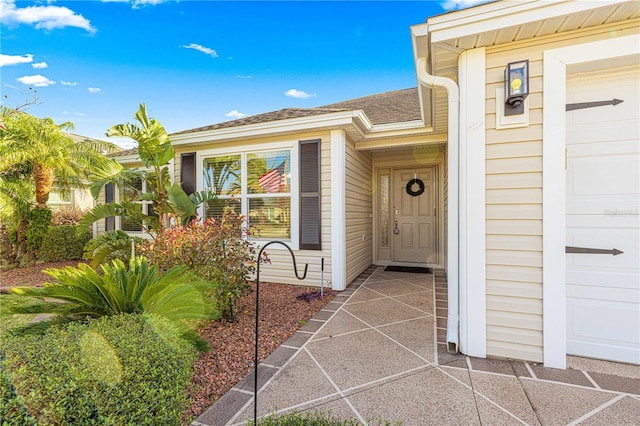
(502, 14)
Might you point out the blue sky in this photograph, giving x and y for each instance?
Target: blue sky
(196, 63)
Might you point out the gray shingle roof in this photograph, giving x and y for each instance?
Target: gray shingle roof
(124, 152)
(389, 107)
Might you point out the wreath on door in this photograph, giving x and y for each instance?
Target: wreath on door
(410, 189)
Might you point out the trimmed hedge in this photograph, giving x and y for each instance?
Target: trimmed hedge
(63, 243)
(127, 369)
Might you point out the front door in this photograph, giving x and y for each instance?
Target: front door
(414, 216)
(603, 195)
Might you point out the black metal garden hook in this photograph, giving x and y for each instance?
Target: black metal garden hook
(255, 359)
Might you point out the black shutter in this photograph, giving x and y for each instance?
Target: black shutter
(109, 222)
(188, 172)
(310, 195)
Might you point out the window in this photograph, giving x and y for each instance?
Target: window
(132, 192)
(257, 185)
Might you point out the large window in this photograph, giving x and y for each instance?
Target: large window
(256, 185)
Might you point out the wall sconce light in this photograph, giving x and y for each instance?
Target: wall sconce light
(516, 87)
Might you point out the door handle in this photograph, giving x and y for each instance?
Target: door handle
(395, 221)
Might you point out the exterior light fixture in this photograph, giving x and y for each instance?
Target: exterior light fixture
(516, 87)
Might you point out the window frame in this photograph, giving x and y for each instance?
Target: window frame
(145, 208)
(244, 150)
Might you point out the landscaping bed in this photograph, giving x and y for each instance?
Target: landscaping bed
(232, 343)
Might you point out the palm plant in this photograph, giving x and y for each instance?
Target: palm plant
(168, 200)
(36, 155)
(82, 292)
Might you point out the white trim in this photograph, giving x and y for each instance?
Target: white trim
(356, 120)
(338, 210)
(505, 14)
(473, 322)
(556, 62)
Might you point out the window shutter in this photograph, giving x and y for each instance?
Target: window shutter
(188, 172)
(310, 195)
(109, 222)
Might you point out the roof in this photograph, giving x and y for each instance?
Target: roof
(389, 107)
(124, 152)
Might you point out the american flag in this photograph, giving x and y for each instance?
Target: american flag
(272, 181)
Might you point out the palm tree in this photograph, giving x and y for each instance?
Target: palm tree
(48, 154)
(36, 156)
(155, 151)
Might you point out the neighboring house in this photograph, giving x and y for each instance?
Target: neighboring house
(440, 176)
(78, 198)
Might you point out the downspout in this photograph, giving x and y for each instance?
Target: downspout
(453, 95)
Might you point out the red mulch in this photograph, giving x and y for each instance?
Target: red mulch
(32, 276)
(232, 344)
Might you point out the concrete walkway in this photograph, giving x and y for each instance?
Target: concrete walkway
(377, 352)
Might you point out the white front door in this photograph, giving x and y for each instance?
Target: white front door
(414, 216)
(602, 212)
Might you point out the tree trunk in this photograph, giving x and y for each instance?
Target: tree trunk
(43, 177)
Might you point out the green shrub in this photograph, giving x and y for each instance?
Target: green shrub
(216, 250)
(63, 242)
(67, 216)
(39, 220)
(112, 245)
(127, 369)
(176, 295)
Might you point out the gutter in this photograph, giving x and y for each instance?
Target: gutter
(453, 95)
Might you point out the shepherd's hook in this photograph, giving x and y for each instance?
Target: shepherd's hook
(255, 359)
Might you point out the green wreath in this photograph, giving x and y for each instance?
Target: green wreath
(410, 184)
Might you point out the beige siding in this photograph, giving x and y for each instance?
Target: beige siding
(514, 200)
(359, 210)
(281, 267)
(445, 213)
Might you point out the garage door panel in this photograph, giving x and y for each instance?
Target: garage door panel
(606, 290)
(609, 280)
(604, 175)
(604, 321)
(602, 203)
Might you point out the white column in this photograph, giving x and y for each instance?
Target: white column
(473, 321)
(338, 210)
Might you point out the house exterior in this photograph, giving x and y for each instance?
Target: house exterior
(441, 176)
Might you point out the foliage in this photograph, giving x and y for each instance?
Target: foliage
(176, 295)
(67, 216)
(124, 369)
(63, 243)
(318, 418)
(167, 200)
(39, 220)
(37, 155)
(110, 246)
(215, 250)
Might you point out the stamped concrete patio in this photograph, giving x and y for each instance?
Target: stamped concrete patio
(377, 352)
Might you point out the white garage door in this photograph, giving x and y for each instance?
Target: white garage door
(603, 203)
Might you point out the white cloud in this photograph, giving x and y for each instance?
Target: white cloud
(138, 3)
(40, 65)
(244, 76)
(299, 94)
(42, 17)
(235, 114)
(461, 4)
(68, 83)
(200, 48)
(94, 90)
(36, 80)
(15, 59)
